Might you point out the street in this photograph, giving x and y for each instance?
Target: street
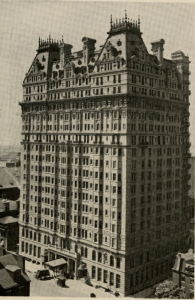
(49, 288)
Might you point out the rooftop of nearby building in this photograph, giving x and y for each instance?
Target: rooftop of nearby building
(13, 205)
(6, 280)
(187, 256)
(184, 261)
(6, 180)
(12, 268)
(8, 264)
(8, 259)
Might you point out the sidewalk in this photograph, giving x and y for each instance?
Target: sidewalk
(29, 266)
(78, 286)
(81, 286)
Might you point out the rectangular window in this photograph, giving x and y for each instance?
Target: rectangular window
(111, 278)
(93, 272)
(99, 274)
(105, 276)
(118, 281)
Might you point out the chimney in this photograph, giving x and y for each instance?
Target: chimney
(157, 48)
(178, 261)
(88, 48)
(65, 52)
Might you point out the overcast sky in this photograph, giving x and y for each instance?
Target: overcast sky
(21, 24)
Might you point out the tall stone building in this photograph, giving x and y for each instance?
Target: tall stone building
(105, 158)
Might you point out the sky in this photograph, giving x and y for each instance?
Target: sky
(22, 22)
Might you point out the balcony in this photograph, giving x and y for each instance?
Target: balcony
(187, 187)
(188, 144)
(62, 251)
(186, 155)
(188, 166)
(186, 81)
(38, 141)
(115, 143)
(186, 177)
(186, 72)
(185, 124)
(144, 144)
(77, 142)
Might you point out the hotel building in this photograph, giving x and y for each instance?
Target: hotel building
(105, 158)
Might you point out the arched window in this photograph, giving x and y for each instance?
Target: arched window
(86, 252)
(111, 261)
(93, 255)
(118, 262)
(82, 251)
(99, 257)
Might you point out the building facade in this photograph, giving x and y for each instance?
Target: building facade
(105, 158)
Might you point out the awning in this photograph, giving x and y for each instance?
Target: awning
(56, 263)
(82, 267)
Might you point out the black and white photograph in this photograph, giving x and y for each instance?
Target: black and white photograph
(97, 149)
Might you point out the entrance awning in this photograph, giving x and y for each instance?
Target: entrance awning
(56, 263)
(82, 267)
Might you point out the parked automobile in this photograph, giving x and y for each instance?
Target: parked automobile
(42, 274)
(28, 259)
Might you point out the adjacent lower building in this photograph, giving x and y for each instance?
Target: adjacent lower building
(183, 272)
(9, 226)
(13, 279)
(105, 158)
